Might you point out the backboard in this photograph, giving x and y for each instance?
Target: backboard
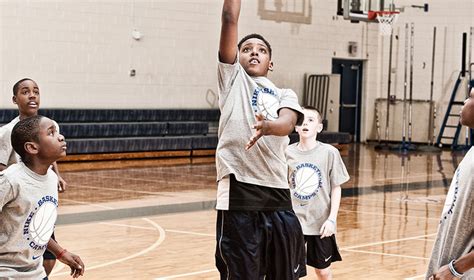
(357, 10)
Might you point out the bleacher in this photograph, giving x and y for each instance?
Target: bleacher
(140, 131)
(94, 131)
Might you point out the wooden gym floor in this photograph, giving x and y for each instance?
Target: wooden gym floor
(156, 221)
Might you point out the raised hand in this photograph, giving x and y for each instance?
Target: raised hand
(260, 129)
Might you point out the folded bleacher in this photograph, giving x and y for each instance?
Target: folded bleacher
(91, 131)
(103, 131)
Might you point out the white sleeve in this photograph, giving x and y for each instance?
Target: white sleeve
(6, 148)
(226, 74)
(7, 192)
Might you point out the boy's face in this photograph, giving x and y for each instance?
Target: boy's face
(255, 57)
(52, 145)
(467, 111)
(311, 125)
(27, 98)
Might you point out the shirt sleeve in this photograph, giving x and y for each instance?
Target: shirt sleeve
(5, 145)
(226, 74)
(7, 192)
(289, 100)
(338, 174)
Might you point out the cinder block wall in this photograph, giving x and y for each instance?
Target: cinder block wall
(81, 53)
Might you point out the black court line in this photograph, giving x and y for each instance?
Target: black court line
(113, 214)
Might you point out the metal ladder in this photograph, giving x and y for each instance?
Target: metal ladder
(451, 117)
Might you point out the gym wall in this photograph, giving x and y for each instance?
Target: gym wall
(81, 53)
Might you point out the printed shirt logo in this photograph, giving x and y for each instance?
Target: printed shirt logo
(39, 224)
(451, 197)
(266, 102)
(305, 181)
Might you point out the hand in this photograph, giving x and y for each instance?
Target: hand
(260, 127)
(442, 274)
(74, 262)
(328, 228)
(61, 184)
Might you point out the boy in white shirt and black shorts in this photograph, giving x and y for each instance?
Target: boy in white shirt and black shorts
(316, 173)
(258, 234)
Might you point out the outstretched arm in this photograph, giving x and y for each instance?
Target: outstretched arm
(284, 125)
(229, 31)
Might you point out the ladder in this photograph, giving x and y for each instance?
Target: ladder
(451, 117)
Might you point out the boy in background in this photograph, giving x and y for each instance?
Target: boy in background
(316, 173)
(29, 201)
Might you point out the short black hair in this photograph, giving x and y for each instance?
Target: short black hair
(26, 130)
(17, 85)
(258, 36)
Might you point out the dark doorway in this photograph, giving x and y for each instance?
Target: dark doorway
(350, 96)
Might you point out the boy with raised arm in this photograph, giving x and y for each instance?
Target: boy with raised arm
(258, 234)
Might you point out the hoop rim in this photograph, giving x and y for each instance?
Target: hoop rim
(372, 15)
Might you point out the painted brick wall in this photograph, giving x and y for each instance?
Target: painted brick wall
(81, 52)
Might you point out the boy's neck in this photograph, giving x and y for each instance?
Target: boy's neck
(38, 167)
(25, 116)
(307, 144)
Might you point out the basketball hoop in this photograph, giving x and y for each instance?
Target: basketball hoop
(386, 19)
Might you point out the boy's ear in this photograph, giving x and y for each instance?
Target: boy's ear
(270, 66)
(31, 148)
(320, 127)
(14, 99)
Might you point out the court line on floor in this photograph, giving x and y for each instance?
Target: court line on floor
(167, 230)
(386, 241)
(384, 254)
(142, 252)
(186, 274)
(391, 215)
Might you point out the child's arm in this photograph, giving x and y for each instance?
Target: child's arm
(461, 265)
(68, 258)
(284, 125)
(229, 33)
(2, 167)
(61, 183)
(329, 226)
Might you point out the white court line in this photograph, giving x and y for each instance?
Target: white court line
(385, 242)
(190, 232)
(142, 252)
(415, 277)
(388, 215)
(130, 226)
(384, 254)
(167, 230)
(186, 274)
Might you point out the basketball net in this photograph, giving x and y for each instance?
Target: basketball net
(386, 20)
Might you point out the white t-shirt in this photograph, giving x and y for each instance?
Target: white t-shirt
(28, 211)
(456, 229)
(311, 176)
(240, 98)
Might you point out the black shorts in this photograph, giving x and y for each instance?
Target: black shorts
(47, 254)
(255, 245)
(320, 253)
